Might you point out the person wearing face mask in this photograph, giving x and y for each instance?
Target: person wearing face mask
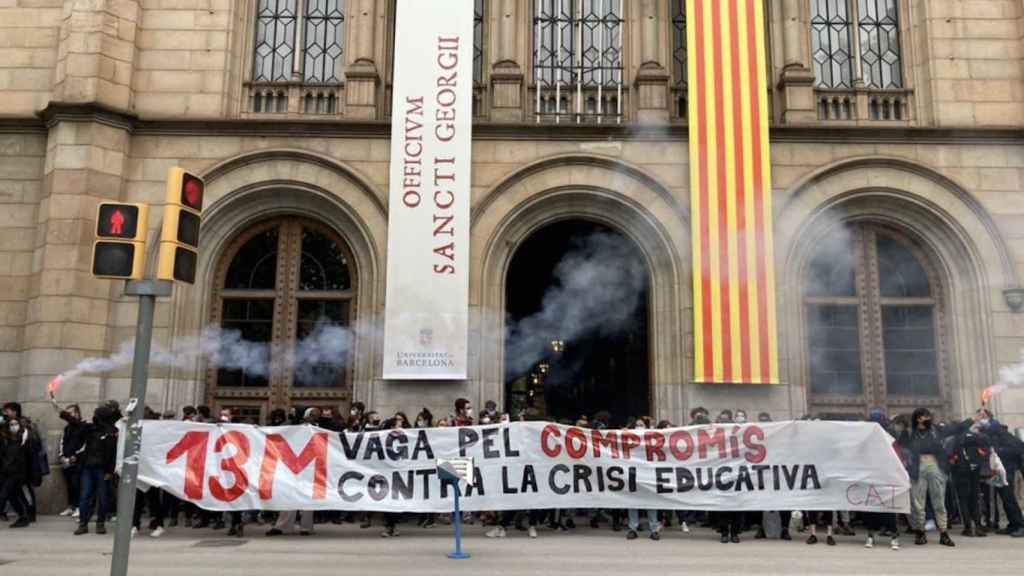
(373, 422)
(14, 462)
(724, 417)
(740, 417)
(633, 514)
(1010, 451)
(969, 456)
(98, 457)
(463, 413)
(927, 466)
(71, 441)
(490, 410)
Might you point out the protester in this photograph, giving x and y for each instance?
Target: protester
(969, 460)
(98, 456)
(927, 466)
(1010, 450)
(463, 413)
(71, 441)
(286, 520)
(14, 458)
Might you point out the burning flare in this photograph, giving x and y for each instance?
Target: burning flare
(54, 386)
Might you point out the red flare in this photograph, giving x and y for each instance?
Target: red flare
(54, 385)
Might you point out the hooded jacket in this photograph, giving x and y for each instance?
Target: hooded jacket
(918, 442)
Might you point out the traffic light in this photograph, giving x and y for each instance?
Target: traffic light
(179, 239)
(120, 247)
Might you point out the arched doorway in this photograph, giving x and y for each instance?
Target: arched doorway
(577, 342)
(875, 323)
(278, 286)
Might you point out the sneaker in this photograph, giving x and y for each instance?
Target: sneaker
(21, 523)
(785, 535)
(920, 539)
(894, 544)
(685, 528)
(101, 528)
(157, 532)
(232, 531)
(496, 532)
(430, 523)
(869, 543)
(735, 539)
(388, 533)
(929, 526)
(945, 540)
(631, 535)
(1018, 533)
(82, 530)
(75, 514)
(274, 532)
(830, 541)
(533, 531)
(655, 535)
(812, 539)
(724, 539)
(134, 532)
(67, 512)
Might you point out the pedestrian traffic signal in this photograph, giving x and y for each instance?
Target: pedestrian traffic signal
(179, 238)
(120, 247)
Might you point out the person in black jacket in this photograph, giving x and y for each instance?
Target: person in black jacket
(98, 457)
(14, 463)
(71, 441)
(969, 455)
(927, 467)
(1010, 450)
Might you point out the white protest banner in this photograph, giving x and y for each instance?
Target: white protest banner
(427, 303)
(526, 466)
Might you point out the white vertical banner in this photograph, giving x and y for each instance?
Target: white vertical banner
(427, 309)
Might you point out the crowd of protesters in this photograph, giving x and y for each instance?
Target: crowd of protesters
(962, 473)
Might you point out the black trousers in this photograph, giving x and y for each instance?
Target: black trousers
(968, 491)
(151, 500)
(73, 480)
(509, 516)
(729, 523)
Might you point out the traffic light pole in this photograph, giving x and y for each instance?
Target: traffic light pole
(147, 291)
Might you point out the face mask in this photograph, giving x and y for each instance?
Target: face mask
(504, 418)
(741, 419)
(485, 420)
(641, 427)
(469, 411)
(353, 412)
(983, 422)
(15, 427)
(420, 423)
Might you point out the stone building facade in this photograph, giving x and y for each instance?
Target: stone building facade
(897, 125)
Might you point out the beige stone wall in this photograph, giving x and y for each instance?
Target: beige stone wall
(21, 164)
(973, 61)
(29, 34)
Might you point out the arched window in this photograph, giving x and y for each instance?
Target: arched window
(287, 287)
(873, 314)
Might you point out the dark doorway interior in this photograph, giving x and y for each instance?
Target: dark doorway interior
(603, 369)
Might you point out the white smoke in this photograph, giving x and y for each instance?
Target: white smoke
(1009, 377)
(326, 346)
(598, 286)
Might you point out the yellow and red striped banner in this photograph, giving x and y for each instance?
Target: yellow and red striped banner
(730, 183)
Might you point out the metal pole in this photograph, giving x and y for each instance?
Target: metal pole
(457, 521)
(147, 291)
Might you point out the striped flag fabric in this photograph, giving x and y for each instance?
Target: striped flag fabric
(735, 338)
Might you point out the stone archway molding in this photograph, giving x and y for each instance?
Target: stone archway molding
(253, 187)
(973, 258)
(601, 190)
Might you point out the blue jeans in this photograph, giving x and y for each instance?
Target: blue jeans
(94, 487)
(652, 520)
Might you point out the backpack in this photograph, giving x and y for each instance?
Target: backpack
(38, 461)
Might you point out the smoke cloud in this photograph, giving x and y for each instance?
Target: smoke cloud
(598, 286)
(1009, 377)
(326, 346)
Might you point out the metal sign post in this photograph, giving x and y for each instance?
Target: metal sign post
(147, 291)
(451, 471)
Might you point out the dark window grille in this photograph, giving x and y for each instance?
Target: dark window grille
(324, 41)
(880, 58)
(275, 40)
(679, 55)
(830, 43)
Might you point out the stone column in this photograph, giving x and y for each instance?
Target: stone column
(796, 85)
(652, 77)
(507, 72)
(96, 53)
(361, 75)
(69, 311)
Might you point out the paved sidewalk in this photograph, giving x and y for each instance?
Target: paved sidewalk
(49, 549)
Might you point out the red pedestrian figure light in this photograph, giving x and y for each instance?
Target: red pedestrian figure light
(117, 223)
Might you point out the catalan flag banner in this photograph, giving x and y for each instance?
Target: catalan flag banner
(735, 337)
